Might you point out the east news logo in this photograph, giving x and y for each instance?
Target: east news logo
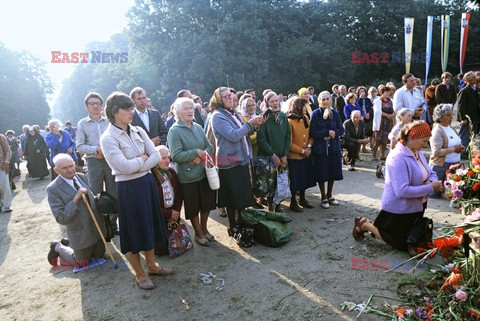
(99, 57)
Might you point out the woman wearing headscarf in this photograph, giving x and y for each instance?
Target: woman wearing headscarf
(273, 148)
(234, 152)
(35, 153)
(247, 110)
(325, 129)
(408, 181)
(305, 94)
(300, 163)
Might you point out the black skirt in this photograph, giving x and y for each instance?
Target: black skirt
(235, 189)
(197, 197)
(394, 228)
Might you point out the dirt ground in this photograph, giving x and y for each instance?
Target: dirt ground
(306, 279)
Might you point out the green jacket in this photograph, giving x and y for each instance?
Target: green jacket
(183, 143)
(273, 138)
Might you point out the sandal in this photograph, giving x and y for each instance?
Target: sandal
(359, 221)
(209, 237)
(325, 203)
(202, 241)
(383, 158)
(333, 201)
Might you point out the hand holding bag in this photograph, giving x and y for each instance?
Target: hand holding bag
(179, 240)
(282, 192)
(211, 170)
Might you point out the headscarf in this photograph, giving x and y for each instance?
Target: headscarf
(243, 108)
(216, 100)
(295, 110)
(419, 131)
(327, 111)
(301, 91)
(276, 114)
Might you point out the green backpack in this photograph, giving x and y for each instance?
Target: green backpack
(269, 228)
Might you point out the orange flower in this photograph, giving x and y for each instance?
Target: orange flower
(476, 187)
(474, 312)
(459, 231)
(455, 270)
(452, 281)
(400, 312)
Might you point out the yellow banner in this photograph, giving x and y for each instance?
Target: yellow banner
(408, 43)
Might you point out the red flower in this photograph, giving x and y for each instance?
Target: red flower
(476, 187)
(458, 179)
(447, 171)
(471, 173)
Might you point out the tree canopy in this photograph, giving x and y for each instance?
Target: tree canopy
(279, 44)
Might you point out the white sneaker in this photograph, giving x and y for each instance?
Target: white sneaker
(325, 203)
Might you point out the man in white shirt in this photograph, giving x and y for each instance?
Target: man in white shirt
(409, 97)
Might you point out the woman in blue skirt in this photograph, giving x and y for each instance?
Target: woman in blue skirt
(131, 155)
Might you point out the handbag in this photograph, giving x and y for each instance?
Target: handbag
(179, 240)
(282, 191)
(211, 170)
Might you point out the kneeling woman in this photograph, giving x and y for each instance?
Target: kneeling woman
(408, 182)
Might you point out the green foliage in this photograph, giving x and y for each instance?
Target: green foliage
(23, 88)
(278, 44)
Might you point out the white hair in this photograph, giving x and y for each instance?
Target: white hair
(55, 121)
(179, 102)
(161, 148)
(59, 157)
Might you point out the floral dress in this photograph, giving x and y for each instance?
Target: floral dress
(386, 125)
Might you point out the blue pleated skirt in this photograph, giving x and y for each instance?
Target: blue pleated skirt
(139, 215)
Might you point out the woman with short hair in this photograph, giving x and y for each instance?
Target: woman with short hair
(131, 155)
(445, 143)
(59, 141)
(383, 114)
(403, 116)
(188, 148)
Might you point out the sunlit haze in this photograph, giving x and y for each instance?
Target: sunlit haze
(44, 26)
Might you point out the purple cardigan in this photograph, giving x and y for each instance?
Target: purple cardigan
(404, 182)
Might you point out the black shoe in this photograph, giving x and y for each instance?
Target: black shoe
(305, 203)
(116, 231)
(378, 171)
(53, 255)
(13, 187)
(294, 207)
(257, 205)
(278, 209)
(65, 241)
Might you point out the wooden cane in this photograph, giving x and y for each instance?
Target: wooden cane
(99, 229)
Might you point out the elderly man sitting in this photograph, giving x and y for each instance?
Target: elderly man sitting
(65, 200)
(354, 137)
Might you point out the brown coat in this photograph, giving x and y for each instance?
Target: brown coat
(299, 138)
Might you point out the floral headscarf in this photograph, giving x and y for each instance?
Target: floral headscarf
(276, 114)
(295, 110)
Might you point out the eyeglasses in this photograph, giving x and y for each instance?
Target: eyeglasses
(94, 103)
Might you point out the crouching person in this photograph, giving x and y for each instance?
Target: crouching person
(354, 137)
(67, 205)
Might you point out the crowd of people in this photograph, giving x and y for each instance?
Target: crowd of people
(154, 164)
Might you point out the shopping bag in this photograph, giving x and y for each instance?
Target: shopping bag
(179, 240)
